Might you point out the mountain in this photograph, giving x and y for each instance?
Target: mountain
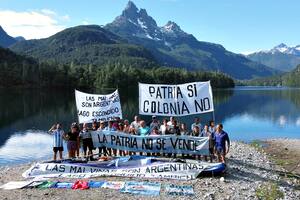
(5, 39)
(20, 38)
(171, 46)
(85, 45)
(281, 57)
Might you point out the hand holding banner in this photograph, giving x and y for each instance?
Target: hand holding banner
(175, 100)
(97, 107)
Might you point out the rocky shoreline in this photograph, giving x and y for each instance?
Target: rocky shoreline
(251, 174)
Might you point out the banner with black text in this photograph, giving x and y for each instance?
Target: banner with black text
(151, 143)
(175, 100)
(94, 107)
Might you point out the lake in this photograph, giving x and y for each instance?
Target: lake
(247, 113)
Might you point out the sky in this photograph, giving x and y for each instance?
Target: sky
(241, 26)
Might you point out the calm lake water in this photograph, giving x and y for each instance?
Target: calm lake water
(247, 113)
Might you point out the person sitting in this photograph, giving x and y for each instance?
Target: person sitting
(221, 139)
(196, 123)
(211, 140)
(58, 136)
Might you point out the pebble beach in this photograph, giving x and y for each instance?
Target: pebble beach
(251, 172)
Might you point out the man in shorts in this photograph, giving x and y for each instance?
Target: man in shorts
(58, 136)
(221, 139)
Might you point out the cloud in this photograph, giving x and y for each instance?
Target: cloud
(32, 24)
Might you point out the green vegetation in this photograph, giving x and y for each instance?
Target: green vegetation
(16, 70)
(269, 191)
(257, 144)
(85, 45)
(290, 79)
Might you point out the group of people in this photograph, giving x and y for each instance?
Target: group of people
(78, 136)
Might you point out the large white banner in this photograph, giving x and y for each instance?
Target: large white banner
(151, 143)
(92, 107)
(166, 170)
(175, 100)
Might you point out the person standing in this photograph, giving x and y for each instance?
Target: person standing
(58, 136)
(154, 124)
(212, 127)
(222, 143)
(197, 122)
(72, 141)
(102, 150)
(174, 130)
(136, 124)
(211, 141)
(87, 142)
(143, 131)
(109, 127)
(164, 128)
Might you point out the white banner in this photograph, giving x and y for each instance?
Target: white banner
(151, 143)
(92, 107)
(169, 170)
(175, 100)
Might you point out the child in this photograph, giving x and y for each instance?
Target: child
(58, 136)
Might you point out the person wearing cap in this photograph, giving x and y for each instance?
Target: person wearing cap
(154, 124)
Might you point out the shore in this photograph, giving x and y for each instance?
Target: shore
(251, 173)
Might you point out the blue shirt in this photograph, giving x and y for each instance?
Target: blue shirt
(144, 131)
(58, 138)
(221, 138)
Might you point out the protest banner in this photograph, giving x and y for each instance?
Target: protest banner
(91, 107)
(167, 170)
(142, 188)
(175, 100)
(151, 143)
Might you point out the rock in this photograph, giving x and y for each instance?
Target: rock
(222, 179)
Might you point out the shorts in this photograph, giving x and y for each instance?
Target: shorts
(87, 143)
(72, 145)
(220, 150)
(56, 149)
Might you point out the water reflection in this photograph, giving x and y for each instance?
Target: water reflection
(247, 113)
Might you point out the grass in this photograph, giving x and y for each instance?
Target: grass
(269, 191)
(256, 144)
